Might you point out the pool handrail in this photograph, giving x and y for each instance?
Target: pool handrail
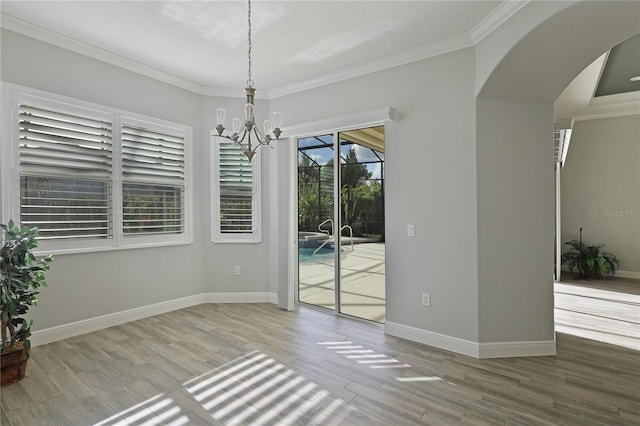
(329, 233)
(324, 230)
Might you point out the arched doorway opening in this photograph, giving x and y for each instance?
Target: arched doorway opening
(514, 143)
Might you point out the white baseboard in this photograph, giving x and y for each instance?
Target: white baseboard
(469, 348)
(442, 341)
(453, 344)
(628, 274)
(65, 331)
(516, 349)
(240, 297)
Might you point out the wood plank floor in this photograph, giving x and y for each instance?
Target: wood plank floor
(251, 364)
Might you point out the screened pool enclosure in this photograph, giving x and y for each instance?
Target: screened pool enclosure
(341, 193)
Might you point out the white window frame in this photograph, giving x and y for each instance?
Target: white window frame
(163, 127)
(216, 236)
(13, 95)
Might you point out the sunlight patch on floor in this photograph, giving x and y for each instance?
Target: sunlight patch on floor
(362, 355)
(598, 314)
(256, 389)
(153, 411)
(251, 389)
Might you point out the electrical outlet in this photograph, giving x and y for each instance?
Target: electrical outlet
(411, 230)
(236, 270)
(426, 299)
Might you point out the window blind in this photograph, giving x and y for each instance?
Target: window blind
(237, 207)
(153, 173)
(66, 162)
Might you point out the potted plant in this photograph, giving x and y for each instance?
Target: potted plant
(21, 275)
(590, 260)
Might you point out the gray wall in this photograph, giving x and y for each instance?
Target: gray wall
(601, 187)
(430, 175)
(481, 201)
(515, 220)
(530, 59)
(84, 286)
(88, 285)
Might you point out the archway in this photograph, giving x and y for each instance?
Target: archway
(544, 49)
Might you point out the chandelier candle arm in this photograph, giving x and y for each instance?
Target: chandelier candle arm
(242, 132)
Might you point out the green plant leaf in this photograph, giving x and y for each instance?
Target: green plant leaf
(21, 276)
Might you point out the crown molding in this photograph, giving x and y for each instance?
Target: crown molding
(487, 25)
(231, 92)
(496, 18)
(619, 105)
(36, 32)
(617, 99)
(424, 52)
(613, 113)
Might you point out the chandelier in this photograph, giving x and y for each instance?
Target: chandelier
(247, 135)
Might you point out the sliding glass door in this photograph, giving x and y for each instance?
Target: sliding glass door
(341, 222)
(316, 225)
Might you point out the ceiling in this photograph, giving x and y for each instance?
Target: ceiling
(621, 72)
(604, 88)
(202, 45)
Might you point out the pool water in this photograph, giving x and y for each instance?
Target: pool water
(305, 254)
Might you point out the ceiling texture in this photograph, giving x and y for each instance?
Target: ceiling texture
(201, 46)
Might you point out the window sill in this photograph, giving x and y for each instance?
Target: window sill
(236, 241)
(43, 250)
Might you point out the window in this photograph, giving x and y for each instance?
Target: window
(152, 181)
(66, 162)
(236, 198)
(94, 179)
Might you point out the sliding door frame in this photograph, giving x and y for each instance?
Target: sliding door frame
(334, 125)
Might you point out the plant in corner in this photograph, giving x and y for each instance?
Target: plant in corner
(590, 260)
(21, 276)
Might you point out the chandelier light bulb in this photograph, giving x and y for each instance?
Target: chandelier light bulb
(237, 124)
(220, 114)
(248, 112)
(267, 128)
(277, 120)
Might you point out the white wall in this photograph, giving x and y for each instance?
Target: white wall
(515, 220)
(83, 286)
(601, 187)
(430, 175)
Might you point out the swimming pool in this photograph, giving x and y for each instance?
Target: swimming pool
(311, 239)
(305, 254)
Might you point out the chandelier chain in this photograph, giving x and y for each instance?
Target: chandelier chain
(249, 81)
(248, 137)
